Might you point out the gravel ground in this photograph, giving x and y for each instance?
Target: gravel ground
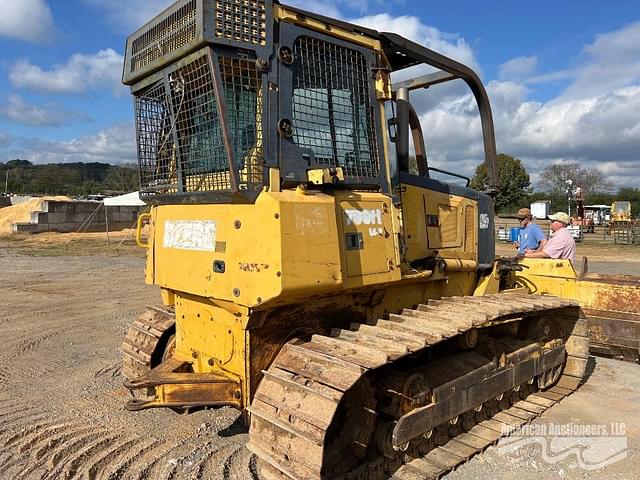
(621, 267)
(610, 395)
(61, 395)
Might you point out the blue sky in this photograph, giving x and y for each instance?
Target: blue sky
(563, 77)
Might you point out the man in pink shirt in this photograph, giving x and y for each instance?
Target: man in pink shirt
(561, 244)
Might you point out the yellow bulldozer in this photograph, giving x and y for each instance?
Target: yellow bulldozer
(349, 305)
(620, 212)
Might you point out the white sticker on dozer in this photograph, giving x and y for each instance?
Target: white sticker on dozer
(484, 221)
(190, 235)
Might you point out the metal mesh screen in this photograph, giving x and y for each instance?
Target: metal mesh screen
(156, 149)
(180, 135)
(242, 90)
(242, 21)
(332, 110)
(202, 155)
(167, 36)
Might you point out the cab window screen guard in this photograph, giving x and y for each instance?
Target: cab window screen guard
(331, 106)
(180, 135)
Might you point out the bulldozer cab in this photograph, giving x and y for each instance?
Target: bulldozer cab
(232, 98)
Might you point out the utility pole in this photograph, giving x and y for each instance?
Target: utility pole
(6, 184)
(569, 190)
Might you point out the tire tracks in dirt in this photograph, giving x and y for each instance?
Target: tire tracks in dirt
(31, 447)
(60, 386)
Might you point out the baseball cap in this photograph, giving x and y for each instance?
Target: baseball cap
(561, 217)
(523, 212)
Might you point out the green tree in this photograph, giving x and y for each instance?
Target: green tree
(67, 178)
(515, 185)
(123, 179)
(18, 163)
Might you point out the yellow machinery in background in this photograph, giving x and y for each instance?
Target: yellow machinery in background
(623, 228)
(620, 212)
(611, 303)
(350, 306)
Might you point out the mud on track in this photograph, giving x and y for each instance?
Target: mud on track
(61, 321)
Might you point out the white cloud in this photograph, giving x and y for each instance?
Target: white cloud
(519, 68)
(115, 145)
(81, 72)
(594, 122)
(29, 20)
(129, 15)
(20, 111)
(449, 44)
(595, 128)
(600, 131)
(612, 61)
(551, 77)
(327, 8)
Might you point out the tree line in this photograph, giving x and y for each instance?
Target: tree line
(72, 179)
(516, 190)
(81, 179)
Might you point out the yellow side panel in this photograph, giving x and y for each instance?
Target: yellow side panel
(309, 238)
(365, 243)
(436, 221)
(187, 240)
(414, 223)
(287, 245)
(286, 241)
(367, 238)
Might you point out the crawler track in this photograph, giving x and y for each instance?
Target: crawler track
(357, 389)
(144, 339)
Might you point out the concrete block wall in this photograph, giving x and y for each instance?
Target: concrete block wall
(60, 216)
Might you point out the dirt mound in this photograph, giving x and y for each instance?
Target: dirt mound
(21, 212)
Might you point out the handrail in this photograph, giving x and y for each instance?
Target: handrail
(451, 173)
(144, 217)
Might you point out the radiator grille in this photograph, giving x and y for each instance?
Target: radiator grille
(179, 130)
(241, 21)
(332, 109)
(165, 37)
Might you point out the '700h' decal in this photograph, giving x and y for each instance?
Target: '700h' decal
(366, 216)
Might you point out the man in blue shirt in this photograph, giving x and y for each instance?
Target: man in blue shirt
(531, 236)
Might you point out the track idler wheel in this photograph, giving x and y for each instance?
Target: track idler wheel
(403, 392)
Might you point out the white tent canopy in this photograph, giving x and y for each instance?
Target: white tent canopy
(127, 200)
